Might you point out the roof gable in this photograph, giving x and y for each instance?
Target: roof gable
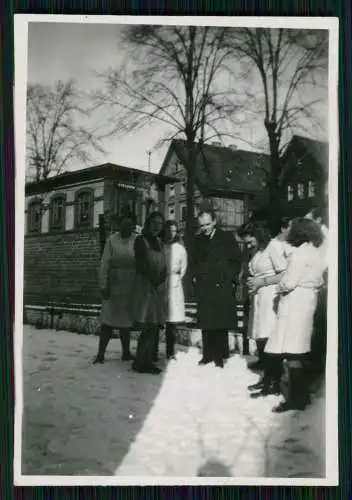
(224, 169)
(318, 151)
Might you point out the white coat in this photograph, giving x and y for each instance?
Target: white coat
(176, 263)
(298, 291)
(266, 263)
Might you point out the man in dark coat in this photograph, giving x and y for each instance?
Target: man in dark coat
(216, 264)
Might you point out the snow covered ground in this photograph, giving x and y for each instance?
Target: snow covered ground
(84, 419)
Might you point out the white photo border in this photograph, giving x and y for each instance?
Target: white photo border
(20, 85)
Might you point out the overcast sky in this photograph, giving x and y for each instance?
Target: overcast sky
(60, 51)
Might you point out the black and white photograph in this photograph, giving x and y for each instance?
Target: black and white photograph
(176, 250)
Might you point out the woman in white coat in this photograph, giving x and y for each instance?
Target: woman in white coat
(176, 262)
(298, 293)
(267, 263)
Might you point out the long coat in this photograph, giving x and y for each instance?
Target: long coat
(266, 263)
(148, 301)
(116, 275)
(298, 300)
(176, 263)
(216, 264)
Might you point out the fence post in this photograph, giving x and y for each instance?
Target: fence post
(52, 318)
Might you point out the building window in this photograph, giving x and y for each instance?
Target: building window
(311, 189)
(290, 193)
(171, 212)
(84, 209)
(231, 211)
(35, 216)
(171, 190)
(300, 190)
(57, 213)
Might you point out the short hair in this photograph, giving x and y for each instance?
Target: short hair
(127, 215)
(207, 208)
(150, 218)
(305, 231)
(319, 212)
(169, 223)
(285, 222)
(260, 232)
(242, 231)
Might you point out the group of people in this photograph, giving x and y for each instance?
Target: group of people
(141, 283)
(287, 304)
(141, 279)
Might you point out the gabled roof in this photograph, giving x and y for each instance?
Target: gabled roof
(224, 169)
(96, 172)
(319, 150)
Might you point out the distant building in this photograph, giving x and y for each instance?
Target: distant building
(231, 179)
(304, 179)
(67, 219)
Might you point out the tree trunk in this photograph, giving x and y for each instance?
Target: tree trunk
(274, 208)
(190, 228)
(191, 178)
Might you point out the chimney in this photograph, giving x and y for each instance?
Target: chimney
(233, 146)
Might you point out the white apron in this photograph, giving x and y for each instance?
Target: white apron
(262, 316)
(298, 300)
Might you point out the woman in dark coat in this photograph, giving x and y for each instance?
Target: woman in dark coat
(149, 291)
(216, 265)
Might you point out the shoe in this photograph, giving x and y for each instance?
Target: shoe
(205, 361)
(256, 387)
(219, 363)
(98, 359)
(265, 391)
(170, 357)
(150, 370)
(287, 406)
(127, 357)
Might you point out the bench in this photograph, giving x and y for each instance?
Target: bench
(56, 310)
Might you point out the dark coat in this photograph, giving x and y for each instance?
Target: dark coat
(216, 265)
(148, 290)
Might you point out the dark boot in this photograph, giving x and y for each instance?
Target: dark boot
(125, 336)
(257, 386)
(259, 364)
(298, 394)
(265, 388)
(268, 383)
(170, 334)
(104, 338)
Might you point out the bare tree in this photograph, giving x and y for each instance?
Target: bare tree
(174, 75)
(55, 133)
(292, 66)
